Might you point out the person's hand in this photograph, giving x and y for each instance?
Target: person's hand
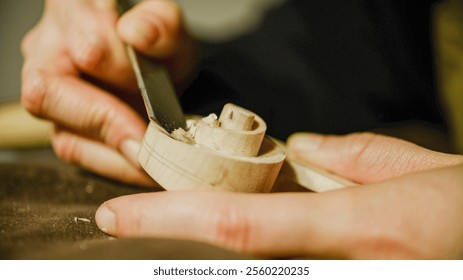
(77, 75)
(409, 206)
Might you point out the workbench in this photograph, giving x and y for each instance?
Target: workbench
(47, 210)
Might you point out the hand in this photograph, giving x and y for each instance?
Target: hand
(409, 207)
(77, 75)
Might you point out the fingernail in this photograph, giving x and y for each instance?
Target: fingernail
(105, 219)
(130, 149)
(302, 143)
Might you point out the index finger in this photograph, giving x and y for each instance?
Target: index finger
(268, 225)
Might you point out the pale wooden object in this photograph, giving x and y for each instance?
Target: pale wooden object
(237, 131)
(294, 175)
(19, 129)
(229, 153)
(310, 177)
(236, 157)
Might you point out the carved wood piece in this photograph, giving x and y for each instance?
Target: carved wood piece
(237, 131)
(227, 153)
(221, 159)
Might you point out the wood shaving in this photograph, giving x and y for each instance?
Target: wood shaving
(189, 136)
(211, 120)
(89, 189)
(81, 219)
(181, 135)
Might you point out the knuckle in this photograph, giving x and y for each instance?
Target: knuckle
(26, 43)
(106, 121)
(65, 146)
(100, 121)
(33, 37)
(90, 55)
(33, 92)
(377, 156)
(232, 228)
(359, 145)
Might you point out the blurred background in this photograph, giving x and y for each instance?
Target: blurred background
(212, 20)
(16, 17)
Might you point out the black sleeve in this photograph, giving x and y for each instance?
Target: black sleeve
(326, 66)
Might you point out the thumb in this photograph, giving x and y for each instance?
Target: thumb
(156, 29)
(153, 27)
(366, 157)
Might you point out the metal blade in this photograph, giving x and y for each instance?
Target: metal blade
(158, 93)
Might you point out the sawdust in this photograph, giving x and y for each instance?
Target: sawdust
(188, 136)
(181, 135)
(211, 120)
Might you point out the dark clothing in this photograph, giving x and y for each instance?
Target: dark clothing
(326, 66)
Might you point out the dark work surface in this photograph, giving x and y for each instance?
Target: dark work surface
(47, 211)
